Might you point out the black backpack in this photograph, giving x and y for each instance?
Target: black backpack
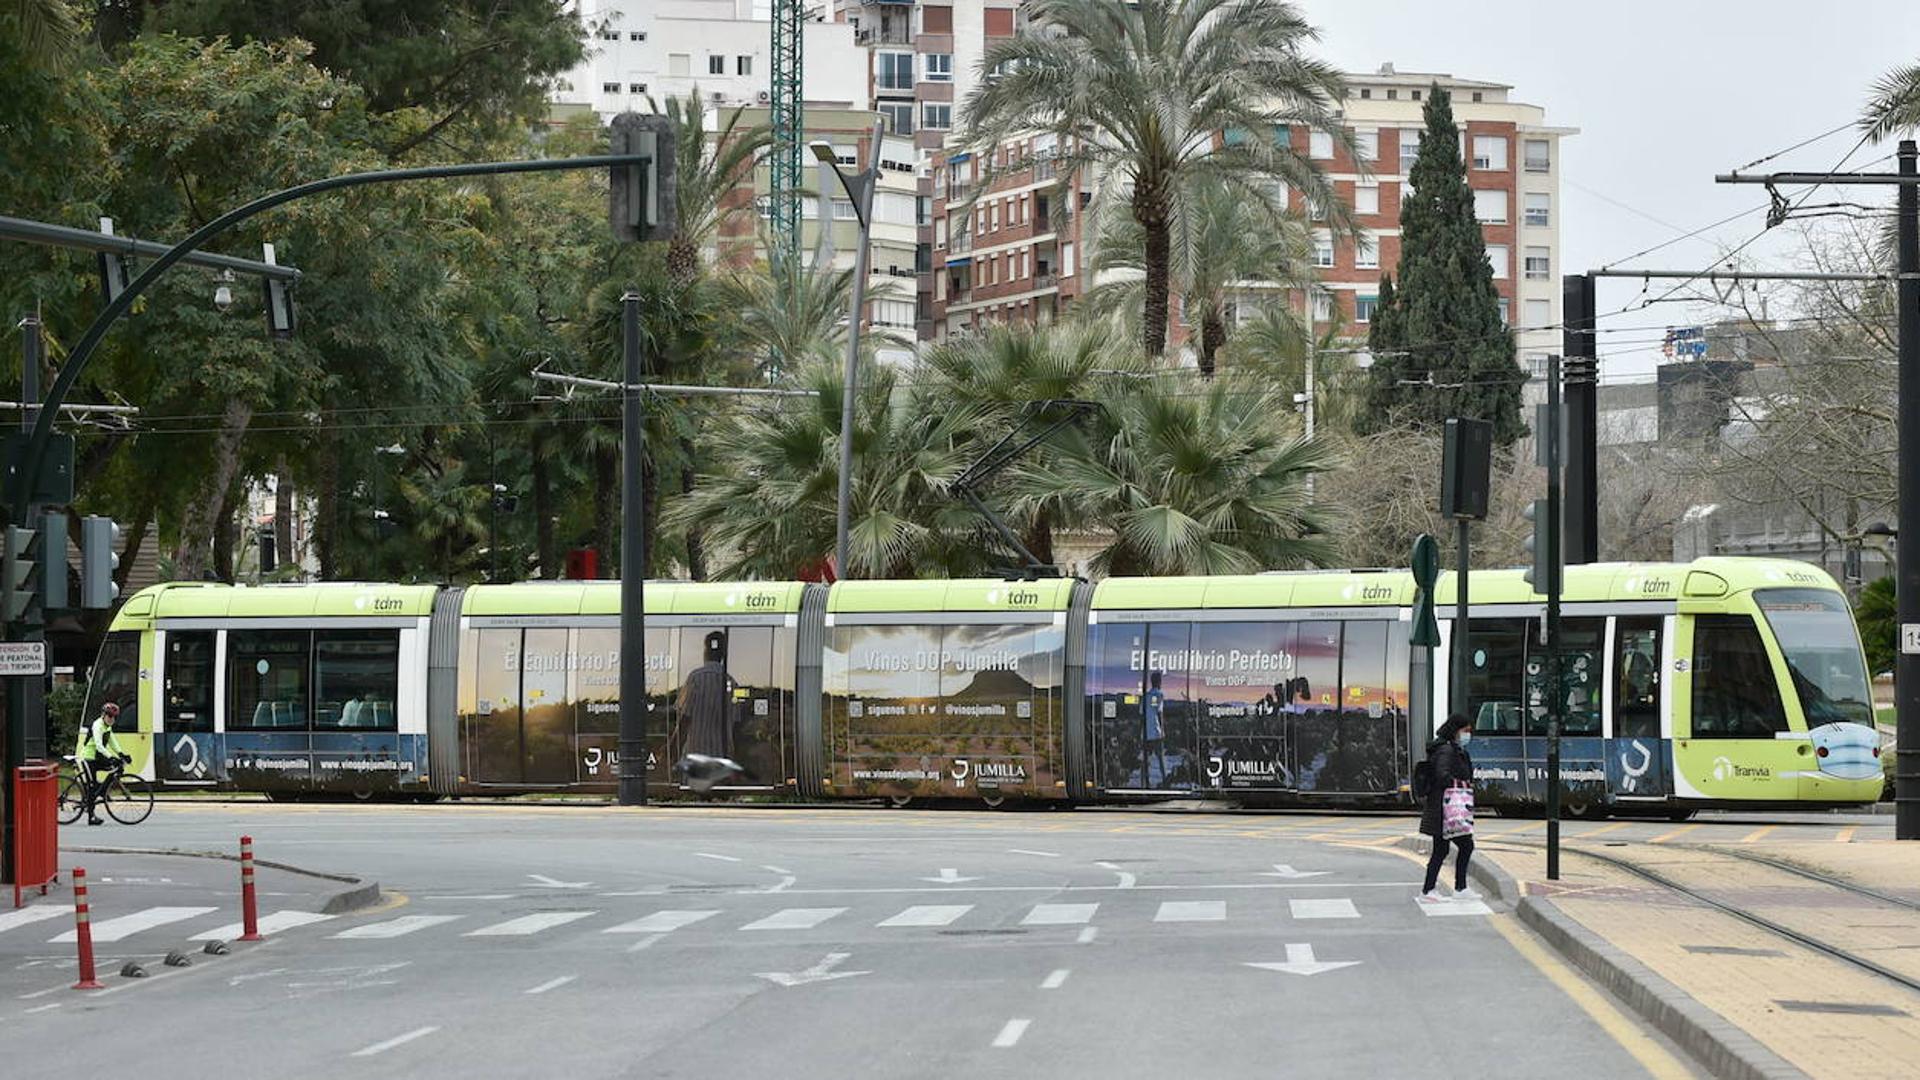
(1423, 778)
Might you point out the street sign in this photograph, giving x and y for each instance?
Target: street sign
(1910, 638)
(23, 658)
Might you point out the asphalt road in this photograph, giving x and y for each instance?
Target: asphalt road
(722, 942)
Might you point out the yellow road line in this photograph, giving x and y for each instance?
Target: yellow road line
(1681, 831)
(1754, 836)
(1650, 1054)
(1605, 829)
(1845, 836)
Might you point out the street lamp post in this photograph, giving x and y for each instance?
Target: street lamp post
(859, 189)
(380, 515)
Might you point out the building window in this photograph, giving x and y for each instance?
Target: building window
(940, 233)
(1490, 152)
(939, 67)
(1393, 95)
(845, 155)
(843, 210)
(1366, 199)
(1490, 207)
(716, 65)
(1539, 209)
(1320, 144)
(899, 117)
(1506, 312)
(610, 88)
(743, 65)
(1322, 307)
(1539, 263)
(1539, 314)
(1366, 252)
(993, 215)
(1363, 307)
(677, 64)
(1366, 145)
(1409, 148)
(1476, 97)
(609, 35)
(896, 71)
(1322, 251)
(1497, 257)
(938, 117)
(636, 35)
(1416, 95)
(1365, 93)
(1538, 155)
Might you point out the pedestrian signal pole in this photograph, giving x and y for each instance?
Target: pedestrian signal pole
(1465, 473)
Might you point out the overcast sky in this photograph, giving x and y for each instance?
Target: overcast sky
(1665, 95)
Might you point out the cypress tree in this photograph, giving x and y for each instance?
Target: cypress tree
(1438, 344)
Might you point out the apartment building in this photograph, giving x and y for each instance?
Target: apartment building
(638, 49)
(989, 266)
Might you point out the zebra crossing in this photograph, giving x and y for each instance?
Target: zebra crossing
(793, 920)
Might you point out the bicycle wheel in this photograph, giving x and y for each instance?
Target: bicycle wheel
(129, 800)
(73, 799)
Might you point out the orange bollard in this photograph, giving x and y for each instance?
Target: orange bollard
(249, 915)
(83, 932)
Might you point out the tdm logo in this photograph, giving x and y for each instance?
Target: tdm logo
(1377, 592)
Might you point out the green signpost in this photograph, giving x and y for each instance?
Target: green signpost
(1425, 633)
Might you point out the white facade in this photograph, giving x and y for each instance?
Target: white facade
(638, 49)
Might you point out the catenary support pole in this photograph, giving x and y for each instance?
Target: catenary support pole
(1906, 822)
(1555, 538)
(633, 563)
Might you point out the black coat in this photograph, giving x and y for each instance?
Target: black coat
(1450, 764)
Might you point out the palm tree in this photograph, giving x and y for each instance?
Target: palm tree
(1210, 480)
(795, 313)
(1147, 95)
(1272, 345)
(1225, 242)
(1895, 105)
(48, 30)
(767, 504)
(708, 170)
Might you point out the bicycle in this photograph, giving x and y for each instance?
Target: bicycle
(126, 799)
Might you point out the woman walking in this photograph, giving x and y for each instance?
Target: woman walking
(1450, 767)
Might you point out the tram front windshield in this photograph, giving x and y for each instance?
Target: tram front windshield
(1816, 632)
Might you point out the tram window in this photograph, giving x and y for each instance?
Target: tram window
(1580, 643)
(115, 677)
(1816, 633)
(356, 679)
(1496, 675)
(1734, 693)
(267, 670)
(190, 680)
(1636, 679)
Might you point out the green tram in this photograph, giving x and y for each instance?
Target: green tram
(1712, 683)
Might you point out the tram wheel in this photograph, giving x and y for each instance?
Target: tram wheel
(994, 802)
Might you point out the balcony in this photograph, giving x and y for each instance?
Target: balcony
(960, 243)
(1043, 282)
(890, 33)
(1539, 165)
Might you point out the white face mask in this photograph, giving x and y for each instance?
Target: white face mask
(1465, 738)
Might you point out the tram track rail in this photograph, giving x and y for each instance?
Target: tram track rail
(1753, 918)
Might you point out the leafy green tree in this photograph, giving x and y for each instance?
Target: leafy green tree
(1139, 97)
(423, 65)
(1227, 238)
(1895, 105)
(794, 312)
(1273, 345)
(1438, 343)
(709, 168)
(1879, 621)
(47, 31)
(1195, 482)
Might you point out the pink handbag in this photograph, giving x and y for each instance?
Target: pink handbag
(1456, 812)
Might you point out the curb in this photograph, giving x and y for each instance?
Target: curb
(359, 893)
(1723, 1048)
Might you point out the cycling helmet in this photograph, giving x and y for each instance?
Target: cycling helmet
(110, 709)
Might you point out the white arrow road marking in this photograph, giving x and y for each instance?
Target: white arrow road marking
(820, 972)
(1300, 961)
(1126, 880)
(545, 882)
(949, 876)
(1282, 870)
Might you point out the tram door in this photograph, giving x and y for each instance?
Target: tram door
(1637, 767)
(522, 730)
(726, 706)
(1312, 711)
(185, 750)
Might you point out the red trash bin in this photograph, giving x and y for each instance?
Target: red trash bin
(36, 848)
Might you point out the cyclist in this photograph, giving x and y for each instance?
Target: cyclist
(98, 750)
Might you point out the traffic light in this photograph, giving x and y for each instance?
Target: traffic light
(269, 550)
(1543, 548)
(99, 557)
(640, 198)
(21, 571)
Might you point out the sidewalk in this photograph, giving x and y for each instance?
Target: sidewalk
(1743, 999)
(146, 903)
